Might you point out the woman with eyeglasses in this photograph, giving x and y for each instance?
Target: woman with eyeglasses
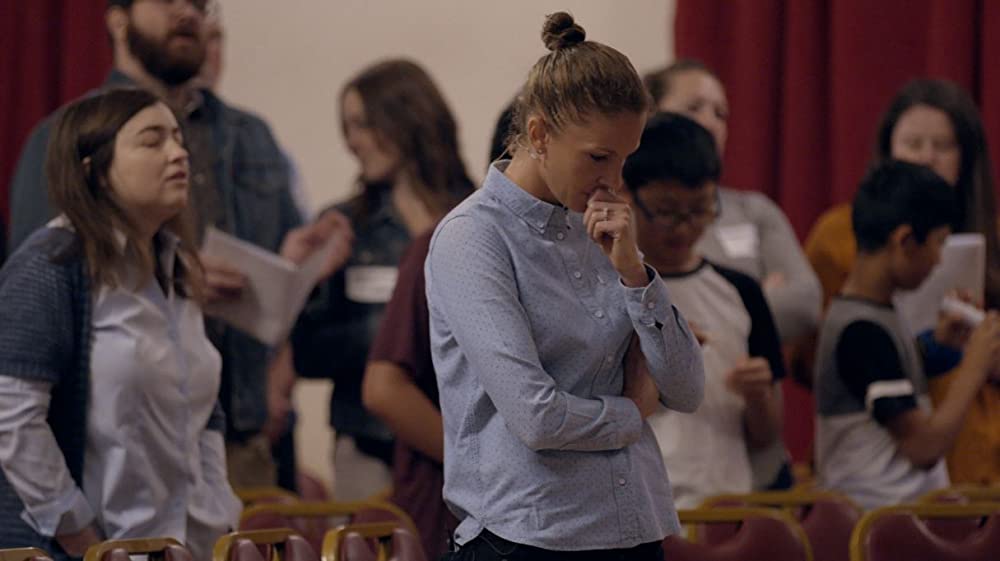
(671, 181)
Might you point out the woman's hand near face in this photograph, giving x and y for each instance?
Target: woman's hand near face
(610, 224)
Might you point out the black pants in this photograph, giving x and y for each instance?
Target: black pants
(490, 547)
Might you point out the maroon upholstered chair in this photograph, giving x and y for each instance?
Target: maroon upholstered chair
(827, 518)
(312, 519)
(157, 549)
(761, 533)
(904, 532)
(371, 541)
(281, 544)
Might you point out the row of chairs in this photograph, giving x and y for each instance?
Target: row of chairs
(960, 524)
(386, 541)
(957, 524)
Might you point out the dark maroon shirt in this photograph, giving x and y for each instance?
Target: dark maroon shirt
(404, 339)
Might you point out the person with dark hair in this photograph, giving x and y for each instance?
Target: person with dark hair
(878, 439)
(935, 123)
(399, 128)
(553, 342)
(240, 185)
(109, 387)
(671, 182)
(751, 235)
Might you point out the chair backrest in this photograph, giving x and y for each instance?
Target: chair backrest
(406, 546)
(762, 533)
(904, 532)
(282, 544)
(312, 519)
(963, 494)
(383, 541)
(24, 554)
(165, 549)
(267, 494)
(827, 518)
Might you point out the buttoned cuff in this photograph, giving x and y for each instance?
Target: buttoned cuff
(68, 514)
(627, 417)
(649, 305)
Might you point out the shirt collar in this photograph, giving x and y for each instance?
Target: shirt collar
(166, 241)
(529, 208)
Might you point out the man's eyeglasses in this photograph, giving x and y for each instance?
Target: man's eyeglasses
(671, 218)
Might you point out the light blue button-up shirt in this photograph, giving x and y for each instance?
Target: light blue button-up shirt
(529, 328)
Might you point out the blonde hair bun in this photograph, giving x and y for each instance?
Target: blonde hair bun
(562, 32)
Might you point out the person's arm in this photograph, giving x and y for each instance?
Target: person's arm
(33, 464)
(796, 299)
(280, 383)
(389, 393)
(873, 372)
(668, 346)
(29, 198)
(925, 437)
(400, 353)
(471, 284)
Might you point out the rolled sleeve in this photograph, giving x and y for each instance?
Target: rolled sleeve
(33, 463)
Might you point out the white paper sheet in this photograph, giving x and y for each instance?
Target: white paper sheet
(276, 288)
(962, 267)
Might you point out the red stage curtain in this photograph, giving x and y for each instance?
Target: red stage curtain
(808, 79)
(51, 51)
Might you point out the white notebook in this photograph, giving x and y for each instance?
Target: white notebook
(275, 291)
(962, 267)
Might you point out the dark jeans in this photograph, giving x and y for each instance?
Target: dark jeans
(490, 547)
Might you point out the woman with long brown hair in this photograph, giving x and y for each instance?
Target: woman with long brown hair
(109, 421)
(399, 128)
(935, 123)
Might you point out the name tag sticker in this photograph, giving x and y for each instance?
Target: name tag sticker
(370, 284)
(739, 240)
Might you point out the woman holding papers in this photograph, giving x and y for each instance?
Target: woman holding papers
(109, 423)
(934, 123)
(403, 135)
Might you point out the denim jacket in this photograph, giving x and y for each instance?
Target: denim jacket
(332, 320)
(253, 178)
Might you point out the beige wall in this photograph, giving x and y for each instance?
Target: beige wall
(287, 60)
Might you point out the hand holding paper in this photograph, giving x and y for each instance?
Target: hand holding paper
(302, 242)
(274, 288)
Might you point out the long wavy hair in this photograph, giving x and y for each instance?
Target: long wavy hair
(977, 201)
(406, 110)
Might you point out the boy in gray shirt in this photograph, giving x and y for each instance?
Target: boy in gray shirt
(878, 440)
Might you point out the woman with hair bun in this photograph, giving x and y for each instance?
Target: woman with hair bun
(553, 342)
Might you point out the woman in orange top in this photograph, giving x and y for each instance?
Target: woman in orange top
(934, 123)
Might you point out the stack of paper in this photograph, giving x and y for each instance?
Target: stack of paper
(275, 291)
(962, 267)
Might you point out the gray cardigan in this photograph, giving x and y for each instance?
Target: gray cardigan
(45, 335)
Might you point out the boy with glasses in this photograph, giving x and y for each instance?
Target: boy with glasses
(671, 181)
